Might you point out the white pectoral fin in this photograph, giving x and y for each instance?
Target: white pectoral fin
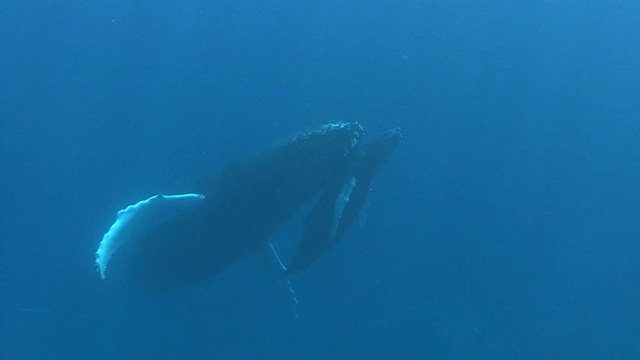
(341, 202)
(136, 218)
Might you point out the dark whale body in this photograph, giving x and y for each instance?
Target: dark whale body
(342, 200)
(242, 207)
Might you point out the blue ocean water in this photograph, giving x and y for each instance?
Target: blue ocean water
(505, 226)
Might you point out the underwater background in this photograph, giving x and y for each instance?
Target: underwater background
(505, 225)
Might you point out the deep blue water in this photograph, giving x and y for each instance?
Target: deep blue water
(505, 226)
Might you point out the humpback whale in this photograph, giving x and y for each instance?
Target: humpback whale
(174, 241)
(342, 200)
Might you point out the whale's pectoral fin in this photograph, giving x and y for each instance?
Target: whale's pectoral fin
(321, 225)
(137, 218)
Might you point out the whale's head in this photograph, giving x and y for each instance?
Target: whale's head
(377, 152)
(336, 139)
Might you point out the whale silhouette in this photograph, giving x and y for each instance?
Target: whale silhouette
(174, 241)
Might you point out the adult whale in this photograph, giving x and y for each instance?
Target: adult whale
(231, 216)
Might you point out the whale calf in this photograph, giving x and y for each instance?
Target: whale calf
(342, 200)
